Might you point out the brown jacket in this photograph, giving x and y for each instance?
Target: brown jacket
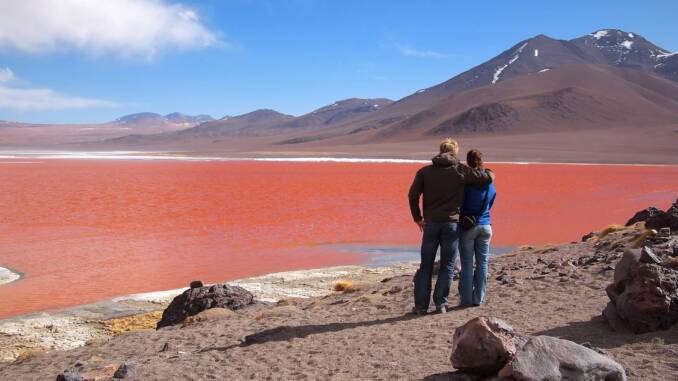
(442, 184)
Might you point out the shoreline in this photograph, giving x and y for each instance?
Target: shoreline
(76, 326)
(8, 276)
(191, 156)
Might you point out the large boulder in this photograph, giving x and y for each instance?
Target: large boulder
(644, 294)
(550, 358)
(483, 345)
(200, 298)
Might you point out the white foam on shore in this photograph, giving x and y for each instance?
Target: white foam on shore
(8, 276)
(137, 155)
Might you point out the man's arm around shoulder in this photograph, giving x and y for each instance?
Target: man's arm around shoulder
(477, 176)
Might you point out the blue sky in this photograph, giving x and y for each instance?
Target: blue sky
(67, 63)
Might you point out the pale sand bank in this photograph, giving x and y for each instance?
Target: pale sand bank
(8, 276)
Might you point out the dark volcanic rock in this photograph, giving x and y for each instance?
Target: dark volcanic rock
(483, 345)
(125, 370)
(644, 293)
(644, 214)
(657, 219)
(550, 358)
(69, 375)
(195, 300)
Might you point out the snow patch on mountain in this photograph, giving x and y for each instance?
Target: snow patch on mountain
(513, 59)
(599, 34)
(627, 44)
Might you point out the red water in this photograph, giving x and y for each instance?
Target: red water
(86, 230)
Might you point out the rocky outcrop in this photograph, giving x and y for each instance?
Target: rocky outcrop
(487, 348)
(200, 298)
(483, 345)
(655, 218)
(644, 293)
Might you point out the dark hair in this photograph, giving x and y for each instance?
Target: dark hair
(474, 158)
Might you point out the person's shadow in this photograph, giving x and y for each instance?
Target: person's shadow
(285, 332)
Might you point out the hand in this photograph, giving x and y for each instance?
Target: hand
(421, 223)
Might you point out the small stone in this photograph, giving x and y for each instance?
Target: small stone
(648, 256)
(70, 375)
(664, 232)
(196, 284)
(125, 370)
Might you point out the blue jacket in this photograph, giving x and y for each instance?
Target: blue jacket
(474, 196)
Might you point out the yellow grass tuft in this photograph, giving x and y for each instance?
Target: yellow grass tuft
(610, 229)
(27, 354)
(545, 249)
(638, 240)
(344, 285)
(133, 323)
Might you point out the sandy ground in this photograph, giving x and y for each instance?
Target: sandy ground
(368, 333)
(74, 327)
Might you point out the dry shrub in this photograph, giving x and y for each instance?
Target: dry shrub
(638, 240)
(345, 286)
(610, 229)
(27, 354)
(133, 323)
(546, 249)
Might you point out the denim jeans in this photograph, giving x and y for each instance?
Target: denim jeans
(474, 244)
(445, 235)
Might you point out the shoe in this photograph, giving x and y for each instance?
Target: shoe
(418, 311)
(441, 309)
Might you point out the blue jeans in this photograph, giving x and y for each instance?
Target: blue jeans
(445, 235)
(474, 243)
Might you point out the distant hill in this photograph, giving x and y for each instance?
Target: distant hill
(17, 134)
(145, 119)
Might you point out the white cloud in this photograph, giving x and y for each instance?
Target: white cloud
(6, 74)
(119, 27)
(37, 99)
(408, 51)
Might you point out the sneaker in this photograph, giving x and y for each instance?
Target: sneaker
(441, 309)
(418, 311)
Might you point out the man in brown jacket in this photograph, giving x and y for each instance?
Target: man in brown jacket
(442, 185)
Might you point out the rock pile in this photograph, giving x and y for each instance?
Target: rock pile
(644, 293)
(486, 348)
(199, 298)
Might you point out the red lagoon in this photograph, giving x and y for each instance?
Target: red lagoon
(80, 231)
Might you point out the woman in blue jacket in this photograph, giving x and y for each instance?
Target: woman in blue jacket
(475, 240)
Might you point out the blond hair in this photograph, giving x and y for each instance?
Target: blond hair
(449, 145)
